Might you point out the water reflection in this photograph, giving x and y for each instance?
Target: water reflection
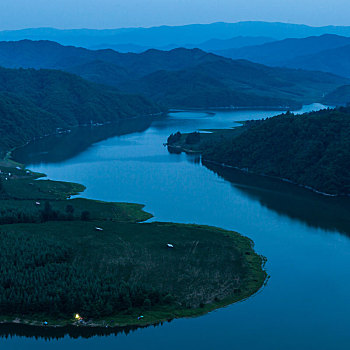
(58, 148)
(329, 213)
(304, 306)
(9, 330)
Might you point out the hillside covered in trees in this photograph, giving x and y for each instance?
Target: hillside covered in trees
(284, 53)
(179, 78)
(339, 97)
(311, 150)
(35, 103)
(60, 257)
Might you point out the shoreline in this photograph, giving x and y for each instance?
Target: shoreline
(255, 279)
(8, 154)
(189, 151)
(106, 323)
(235, 108)
(203, 160)
(151, 317)
(274, 177)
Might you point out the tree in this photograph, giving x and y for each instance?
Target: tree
(69, 209)
(173, 138)
(193, 138)
(46, 214)
(70, 212)
(85, 215)
(147, 304)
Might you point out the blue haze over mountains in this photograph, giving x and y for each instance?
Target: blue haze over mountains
(178, 66)
(167, 36)
(179, 78)
(274, 44)
(328, 52)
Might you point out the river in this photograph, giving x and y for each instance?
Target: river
(305, 236)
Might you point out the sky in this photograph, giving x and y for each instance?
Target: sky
(99, 14)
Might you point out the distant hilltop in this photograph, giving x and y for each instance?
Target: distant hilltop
(167, 37)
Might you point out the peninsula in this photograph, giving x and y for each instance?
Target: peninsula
(90, 263)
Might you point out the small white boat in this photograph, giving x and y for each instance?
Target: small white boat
(170, 245)
(98, 229)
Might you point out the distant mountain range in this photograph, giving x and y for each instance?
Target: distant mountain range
(328, 53)
(211, 45)
(34, 103)
(176, 36)
(235, 42)
(283, 51)
(336, 61)
(178, 78)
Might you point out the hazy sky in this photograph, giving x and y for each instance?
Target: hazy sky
(16, 14)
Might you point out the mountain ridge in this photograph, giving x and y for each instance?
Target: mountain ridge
(227, 82)
(35, 103)
(328, 53)
(279, 53)
(166, 35)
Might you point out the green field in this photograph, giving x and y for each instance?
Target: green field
(60, 257)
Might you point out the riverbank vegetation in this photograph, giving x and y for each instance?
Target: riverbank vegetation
(60, 257)
(312, 150)
(35, 103)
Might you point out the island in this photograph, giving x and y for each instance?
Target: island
(73, 261)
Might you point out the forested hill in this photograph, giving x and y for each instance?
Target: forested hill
(283, 53)
(338, 97)
(312, 149)
(35, 103)
(327, 53)
(179, 78)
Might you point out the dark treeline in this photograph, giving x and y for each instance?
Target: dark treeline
(38, 274)
(173, 138)
(312, 149)
(20, 215)
(190, 139)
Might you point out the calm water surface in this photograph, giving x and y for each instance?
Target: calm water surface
(306, 237)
